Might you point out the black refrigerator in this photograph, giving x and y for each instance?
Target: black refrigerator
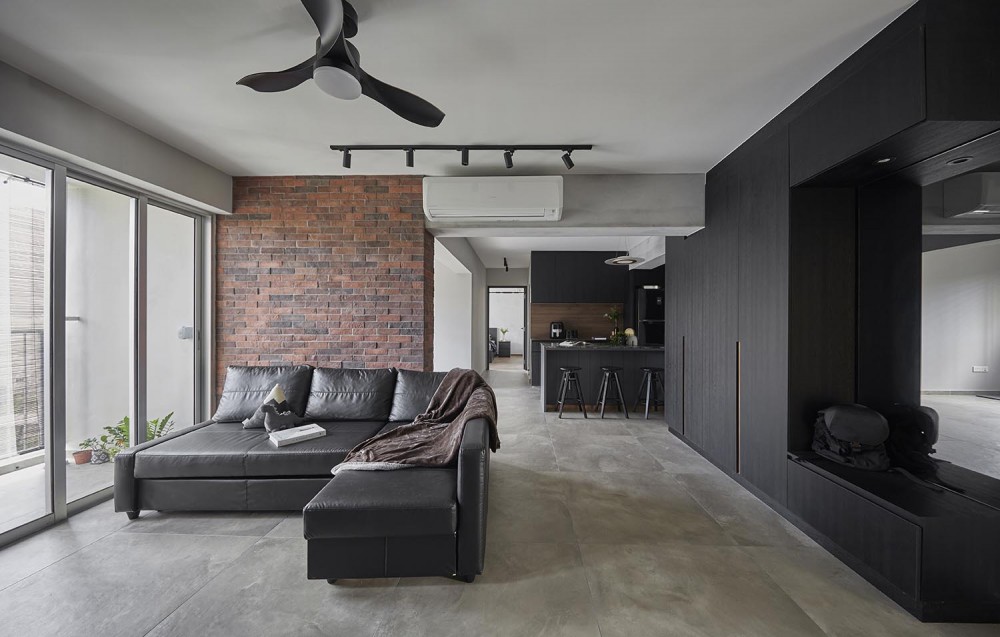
(649, 315)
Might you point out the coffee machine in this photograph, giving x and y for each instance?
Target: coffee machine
(556, 330)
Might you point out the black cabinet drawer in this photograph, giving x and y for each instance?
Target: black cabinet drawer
(883, 541)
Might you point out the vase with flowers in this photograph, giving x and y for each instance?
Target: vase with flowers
(630, 338)
(617, 336)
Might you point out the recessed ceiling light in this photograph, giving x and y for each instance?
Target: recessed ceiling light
(959, 160)
(885, 160)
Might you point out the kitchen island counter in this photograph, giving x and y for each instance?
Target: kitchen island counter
(590, 358)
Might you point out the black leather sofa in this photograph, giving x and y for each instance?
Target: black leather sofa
(361, 523)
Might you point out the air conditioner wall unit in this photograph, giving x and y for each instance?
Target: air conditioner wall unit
(493, 198)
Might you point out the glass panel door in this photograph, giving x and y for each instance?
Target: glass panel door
(98, 332)
(171, 326)
(25, 214)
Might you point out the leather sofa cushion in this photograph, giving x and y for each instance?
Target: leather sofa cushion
(210, 452)
(226, 450)
(314, 457)
(407, 502)
(246, 388)
(414, 391)
(351, 394)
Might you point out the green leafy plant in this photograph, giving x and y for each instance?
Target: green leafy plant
(613, 315)
(115, 437)
(503, 333)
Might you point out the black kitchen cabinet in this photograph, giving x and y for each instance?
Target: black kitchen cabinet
(577, 277)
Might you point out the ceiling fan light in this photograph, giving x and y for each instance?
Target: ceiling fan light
(333, 77)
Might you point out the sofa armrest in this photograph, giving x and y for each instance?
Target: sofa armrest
(473, 485)
(125, 484)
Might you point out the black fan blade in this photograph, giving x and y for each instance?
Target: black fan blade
(274, 81)
(402, 103)
(328, 16)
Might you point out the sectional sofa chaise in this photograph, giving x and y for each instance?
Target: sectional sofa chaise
(419, 521)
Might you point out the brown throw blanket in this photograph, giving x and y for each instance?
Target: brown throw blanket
(433, 439)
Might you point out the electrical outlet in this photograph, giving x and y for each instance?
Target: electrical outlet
(980, 369)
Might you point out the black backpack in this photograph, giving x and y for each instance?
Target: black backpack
(852, 435)
(913, 431)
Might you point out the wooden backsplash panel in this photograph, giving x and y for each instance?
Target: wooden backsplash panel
(586, 318)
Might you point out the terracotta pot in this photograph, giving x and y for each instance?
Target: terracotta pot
(82, 457)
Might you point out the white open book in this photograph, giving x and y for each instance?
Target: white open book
(296, 434)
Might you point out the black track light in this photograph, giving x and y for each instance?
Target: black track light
(568, 160)
(465, 156)
(506, 268)
(347, 158)
(409, 158)
(508, 159)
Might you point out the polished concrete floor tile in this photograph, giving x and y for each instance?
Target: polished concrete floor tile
(121, 585)
(266, 593)
(589, 427)
(527, 590)
(31, 555)
(234, 523)
(674, 456)
(823, 587)
(746, 519)
(688, 591)
(587, 452)
(289, 527)
(639, 426)
(528, 506)
(527, 450)
(638, 508)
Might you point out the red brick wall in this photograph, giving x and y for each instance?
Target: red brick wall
(327, 271)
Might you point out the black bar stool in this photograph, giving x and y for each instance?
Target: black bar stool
(570, 379)
(611, 377)
(651, 377)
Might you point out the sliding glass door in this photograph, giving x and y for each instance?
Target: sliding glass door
(98, 332)
(25, 217)
(171, 321)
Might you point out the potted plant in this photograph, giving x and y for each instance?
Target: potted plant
(115, 437)
(503, 333)
(86, 451)
(613, 315)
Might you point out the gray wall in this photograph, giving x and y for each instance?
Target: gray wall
(961, 318)
(516, 277)
(462, 250)
(39, 117)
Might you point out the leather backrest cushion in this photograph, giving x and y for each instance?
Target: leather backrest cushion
(351, 394)
(414, 391)
(247, 387)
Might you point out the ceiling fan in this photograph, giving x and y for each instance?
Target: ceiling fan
(336, 67)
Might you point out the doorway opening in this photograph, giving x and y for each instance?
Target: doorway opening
(507, 312)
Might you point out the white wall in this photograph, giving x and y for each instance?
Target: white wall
(462, 250)
(507, 310)
(961, 318)
(496, 277)
(40, 117)
(452, 312)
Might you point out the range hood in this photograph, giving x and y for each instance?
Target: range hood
(972, 195)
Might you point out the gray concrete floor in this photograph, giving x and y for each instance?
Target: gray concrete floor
(969, 431)
(595, 528)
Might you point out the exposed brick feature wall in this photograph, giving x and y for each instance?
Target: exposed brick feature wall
(328, 271)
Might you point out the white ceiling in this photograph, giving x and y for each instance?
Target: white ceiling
(492, 250)
(660, 86)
